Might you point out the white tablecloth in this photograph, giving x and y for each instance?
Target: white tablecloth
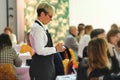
(17, 47)
(24, 57)
(66, 77)
(23, 72)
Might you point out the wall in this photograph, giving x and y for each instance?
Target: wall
(20, 20)
(3, 20)
(99, 13)
(12, 17)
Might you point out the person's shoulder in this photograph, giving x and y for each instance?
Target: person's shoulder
(84, 63)
(36, 27)
(82, 69)
(99, 72)
(9, 49)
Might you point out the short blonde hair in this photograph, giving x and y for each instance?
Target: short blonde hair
(44, 7)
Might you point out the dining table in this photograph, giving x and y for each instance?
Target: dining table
(23, 70)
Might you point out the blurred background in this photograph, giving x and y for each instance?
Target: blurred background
(20, 15)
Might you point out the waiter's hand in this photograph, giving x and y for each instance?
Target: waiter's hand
(59, 47)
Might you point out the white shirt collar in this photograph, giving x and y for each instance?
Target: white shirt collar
(42, 24)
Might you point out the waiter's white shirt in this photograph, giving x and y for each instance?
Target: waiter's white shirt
(38, 40)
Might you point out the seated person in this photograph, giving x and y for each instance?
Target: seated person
(71, 41)
(113, 38)
(7, 53)
(100, 33)
(8, 58)
(99, 63)
(84, 41)
(8, 31)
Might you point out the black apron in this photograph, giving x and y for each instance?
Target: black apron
(42, 67)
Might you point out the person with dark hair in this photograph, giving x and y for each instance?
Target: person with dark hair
(100, 33)
(98, 64)
(81, 31)
(113, 39)
(113, 33)
(7, 53)
(114, 26)
(42, 65)
(9, 31)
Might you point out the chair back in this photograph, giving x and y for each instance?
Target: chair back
(7, 72)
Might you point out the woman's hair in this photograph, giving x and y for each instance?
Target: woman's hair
(96, 32)
(44, 7)
(8, 28)
(97, 49)
(81, 27)
(112, 33)
(5, 40)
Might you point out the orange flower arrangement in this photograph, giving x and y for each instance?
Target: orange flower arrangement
(26, 48)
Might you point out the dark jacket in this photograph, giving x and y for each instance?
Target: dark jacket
(104, 73)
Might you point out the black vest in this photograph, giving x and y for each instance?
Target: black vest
(42, 67)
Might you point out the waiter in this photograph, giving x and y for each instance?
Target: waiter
(42, 65)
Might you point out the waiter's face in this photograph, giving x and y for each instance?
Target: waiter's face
(47, 17)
